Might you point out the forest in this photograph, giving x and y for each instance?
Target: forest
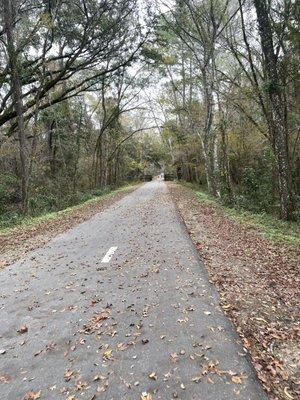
(97, 93)
(149, 199)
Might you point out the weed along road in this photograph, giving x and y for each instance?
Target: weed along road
(119, 307)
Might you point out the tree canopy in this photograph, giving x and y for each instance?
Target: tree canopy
(97, 92)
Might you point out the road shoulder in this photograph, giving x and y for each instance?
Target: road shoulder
(257, 282)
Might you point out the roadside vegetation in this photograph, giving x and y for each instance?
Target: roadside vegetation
(71, 114)
(206, 90)
(253, 259)
(230, 99)
(267, 224)
(32, 232)
(16, 222)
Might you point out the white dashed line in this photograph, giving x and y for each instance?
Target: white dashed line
(109, 254)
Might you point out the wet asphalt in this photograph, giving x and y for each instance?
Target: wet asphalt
(145, 325)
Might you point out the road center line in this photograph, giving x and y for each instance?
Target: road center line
(109, 254)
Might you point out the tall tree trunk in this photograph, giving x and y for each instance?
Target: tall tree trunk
(51, 126)
(208, 165)
(208, 137)
(17, 97)
(225, 168)
(277, 105)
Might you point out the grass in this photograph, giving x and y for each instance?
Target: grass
(30, 222)
(268, 225)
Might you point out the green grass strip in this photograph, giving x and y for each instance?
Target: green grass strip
(268, 225)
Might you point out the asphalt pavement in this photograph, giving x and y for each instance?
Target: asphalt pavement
(119, 308)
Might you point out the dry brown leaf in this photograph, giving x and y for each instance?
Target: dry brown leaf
(102, 388)
(122, 346)
(4, 379)
(33, 395)
(153, 376)
(196, 379)
(23, 329)
(68, 374)
(236, 379)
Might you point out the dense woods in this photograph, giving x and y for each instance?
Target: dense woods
(232, 100)
(94, 93)
(65, 89)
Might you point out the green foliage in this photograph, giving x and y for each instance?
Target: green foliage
(10, 218)
(225, 190)
(151, 54)
(271, 86)
(43, 206)
(9, 197)
(9, 189)
(44, 201)
(257, 190)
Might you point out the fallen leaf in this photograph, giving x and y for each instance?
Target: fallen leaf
(98, 378)
(68, 374)
(33, 395)
(153, 376)
(196, 379)
(107, 355)
(23, 329)
(4, 379)
(236, 379)
(288, 395)
(102, 388)
(146, 396)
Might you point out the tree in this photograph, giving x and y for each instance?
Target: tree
(69, 48)
(102, 37)
(16, 89)
(278, 120)
(199, 25)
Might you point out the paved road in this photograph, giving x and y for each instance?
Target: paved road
(147, 321)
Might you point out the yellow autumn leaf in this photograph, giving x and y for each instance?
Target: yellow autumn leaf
(107, 355)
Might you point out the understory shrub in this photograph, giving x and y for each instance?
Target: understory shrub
(257, 190)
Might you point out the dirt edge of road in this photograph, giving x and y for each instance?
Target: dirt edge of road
(22, 239)
(257, 282)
